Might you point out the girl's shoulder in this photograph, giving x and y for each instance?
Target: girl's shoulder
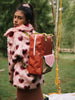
(9, 30)
(21, 28)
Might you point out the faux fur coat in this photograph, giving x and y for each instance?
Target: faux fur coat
(18, 58)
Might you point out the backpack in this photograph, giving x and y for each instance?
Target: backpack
(41, 58)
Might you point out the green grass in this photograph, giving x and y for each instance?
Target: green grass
(6, 90)
(66, 64)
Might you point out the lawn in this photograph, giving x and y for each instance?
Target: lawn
(66, 64)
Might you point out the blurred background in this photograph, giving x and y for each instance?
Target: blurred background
(45, 23)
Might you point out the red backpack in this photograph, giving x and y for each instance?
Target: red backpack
(40, 48)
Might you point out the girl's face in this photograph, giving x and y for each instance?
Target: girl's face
(19, 18)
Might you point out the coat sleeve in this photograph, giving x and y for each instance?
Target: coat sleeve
(17, 48)
(21, 45)
(10, 51)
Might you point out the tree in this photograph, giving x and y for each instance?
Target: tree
(68, 23)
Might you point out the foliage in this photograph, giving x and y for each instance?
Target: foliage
(44, 18)
(68, 23)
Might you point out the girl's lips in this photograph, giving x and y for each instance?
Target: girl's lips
(15, 25)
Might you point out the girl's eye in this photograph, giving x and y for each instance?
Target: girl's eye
(14, 16)
(19, 17)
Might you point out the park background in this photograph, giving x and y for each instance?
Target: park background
(45, 23)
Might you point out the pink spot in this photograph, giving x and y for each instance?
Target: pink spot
(11, 82)
(16, 73)
(10, 44)
(27, 25)
(17, 46)
(27, 62)
(26, 87)
(21, 80)
(9, 64)
(22, 67)
(15, 86)
(20, 38)
(27, 43)
(38, 85)
(24, 51)
(22, 30)
(9, 73)
(11, 34)
(34, 80)
(28, 56)
(14, 60)
(12, 69)
(43, 81)
(11, 52)
(28, 75)
(31, 30)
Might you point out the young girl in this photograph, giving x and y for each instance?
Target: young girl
(28, 86)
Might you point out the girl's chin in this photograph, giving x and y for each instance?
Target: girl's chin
(15, 25)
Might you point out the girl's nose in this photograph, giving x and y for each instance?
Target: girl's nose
(16, 20)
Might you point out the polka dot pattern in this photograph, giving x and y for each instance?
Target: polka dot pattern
(16, 73)
(28, 56)
(22, 67)
(11, 52)
(20, 38)
(26, 87)
(10, 44)
(21, 80)
(9, 73)
(12, 69)
(11, 82)
(28, 75)
(11, 34)
(28, 43)
(24, 51)
(9, 64)
(17, 46)
(38, 85)
(14, 60)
